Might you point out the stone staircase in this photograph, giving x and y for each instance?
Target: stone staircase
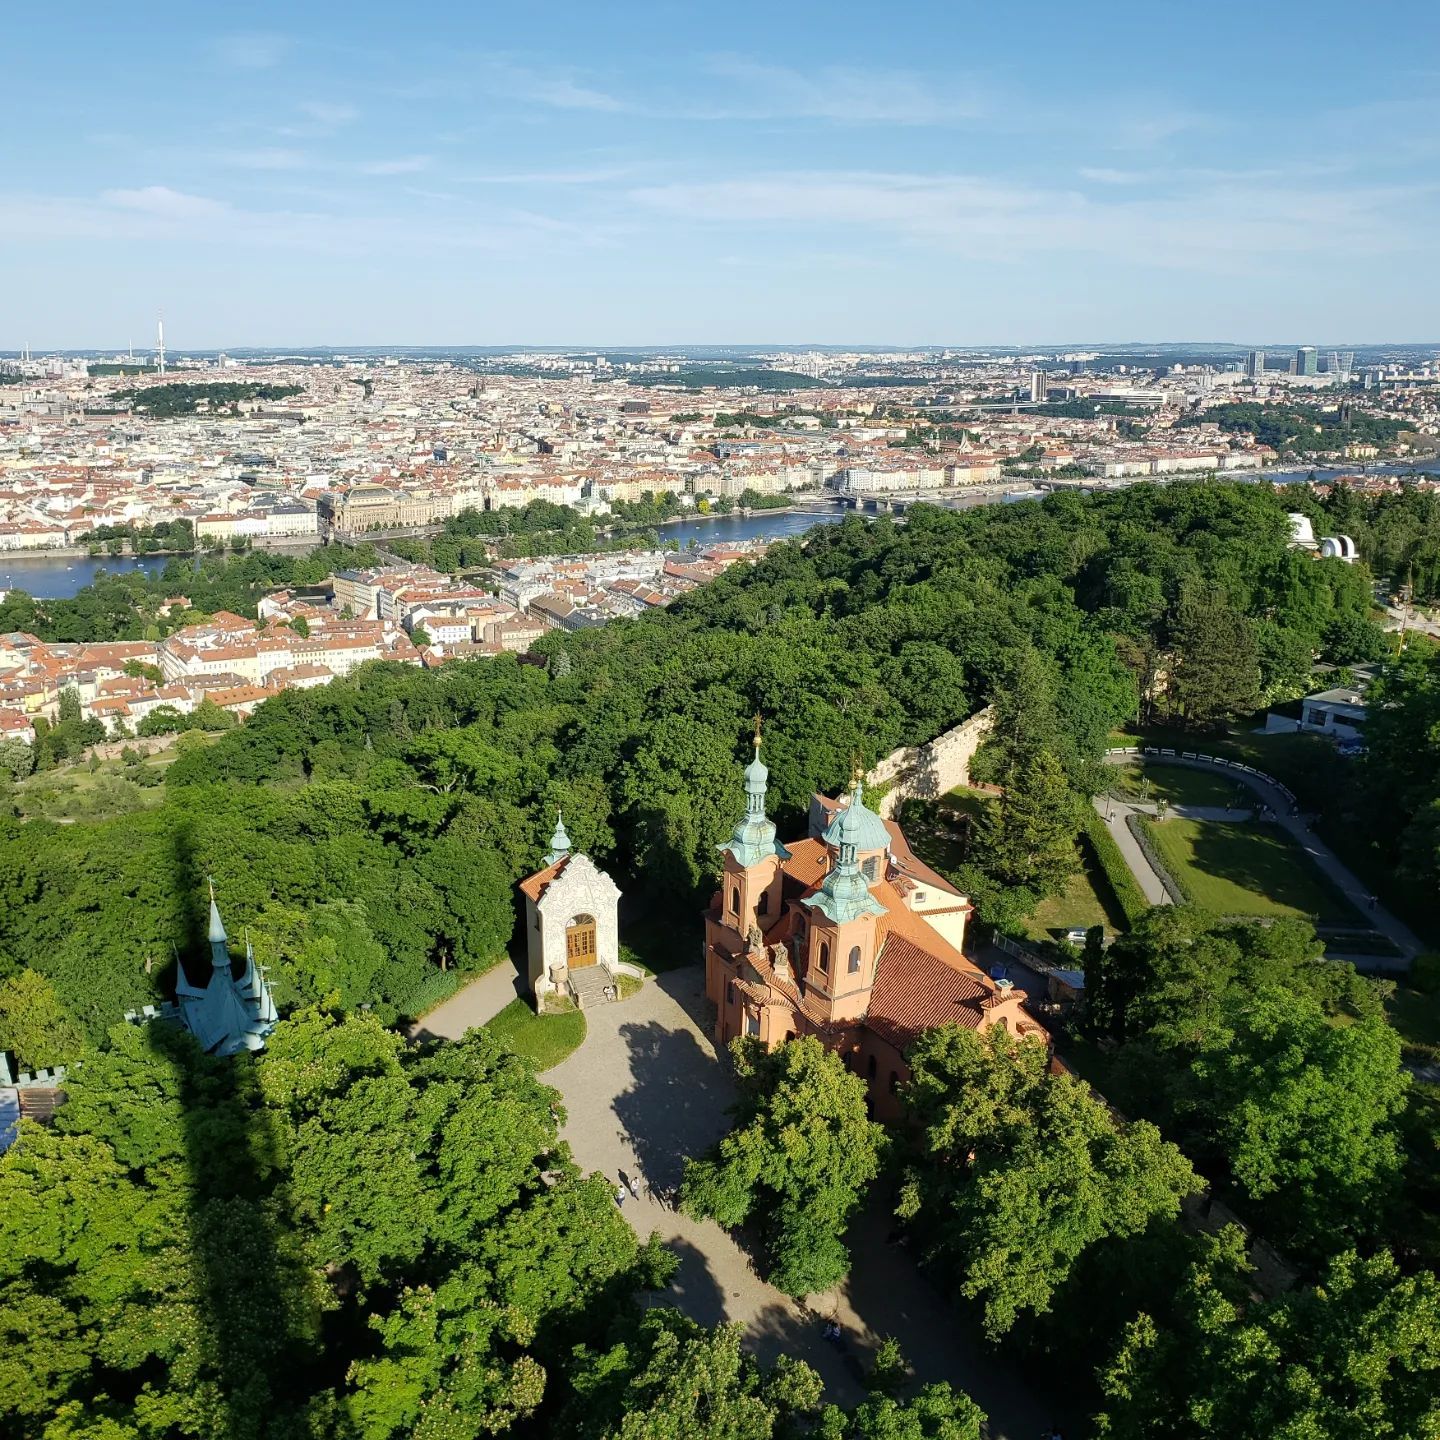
(590, 984)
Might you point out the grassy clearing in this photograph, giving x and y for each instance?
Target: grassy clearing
(546, 1039)
(1085, 901)
(82, 791)
(1246, 869)
(1178, 785)
(1307, 764)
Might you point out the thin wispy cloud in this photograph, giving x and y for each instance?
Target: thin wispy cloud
(155, 213)
(761, 90)
(600, 175)
(252, 50)
(1217, 227)
(266, 158)
(324, 112)
(555, 87)
(400, 165)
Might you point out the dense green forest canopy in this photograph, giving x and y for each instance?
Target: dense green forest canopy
(367, 837)
(1300, 429)
(369, 832)
(165, 402)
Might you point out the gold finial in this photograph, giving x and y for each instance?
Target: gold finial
(856, 773)
(757, 729)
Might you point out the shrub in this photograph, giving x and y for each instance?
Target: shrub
(1106, 853)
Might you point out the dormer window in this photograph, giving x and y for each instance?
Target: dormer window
(919, 897)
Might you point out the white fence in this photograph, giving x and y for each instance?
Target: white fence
(1196, 758)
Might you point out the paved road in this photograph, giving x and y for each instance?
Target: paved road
(481, 1000)
(644, 1091)
(1340, 875)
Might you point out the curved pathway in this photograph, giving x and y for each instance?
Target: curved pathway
(1282, 806)
(478, 1002)
(645, 1090)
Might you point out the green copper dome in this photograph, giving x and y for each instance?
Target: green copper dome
(753, 838)
(857, 825)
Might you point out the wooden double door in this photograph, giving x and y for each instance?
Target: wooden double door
(580, 942)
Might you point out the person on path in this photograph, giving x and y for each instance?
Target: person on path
(635, 1186)
(620, 1197)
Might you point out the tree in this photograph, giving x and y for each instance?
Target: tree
(670, 1378)
(1017, 1171)
(17, 759)
(1028, 836)
(1355, 1357)
(35, 1026)
(1303, 1111)
(796, 1162)
(1216, 671)
(936, 1413)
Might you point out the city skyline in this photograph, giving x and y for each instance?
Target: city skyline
(635, 178)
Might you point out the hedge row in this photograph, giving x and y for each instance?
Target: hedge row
(1139, 827)
(1106, 853)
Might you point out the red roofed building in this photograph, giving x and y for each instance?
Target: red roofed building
(844, 935)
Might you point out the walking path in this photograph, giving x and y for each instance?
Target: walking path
(644, 1091)
(1114, 813)
(481, 1000)
(1330, 865)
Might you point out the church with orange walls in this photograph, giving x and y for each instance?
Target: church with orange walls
(844, 935)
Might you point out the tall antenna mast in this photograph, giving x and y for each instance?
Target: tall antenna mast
(160, 337)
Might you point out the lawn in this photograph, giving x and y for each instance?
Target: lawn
(75, 791)
(1246, 869)
(1179, 785)
(546, 1039)
(1084, 902)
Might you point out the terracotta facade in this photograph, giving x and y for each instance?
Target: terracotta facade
(845, 935)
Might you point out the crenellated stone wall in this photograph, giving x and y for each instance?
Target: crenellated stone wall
(925, 772)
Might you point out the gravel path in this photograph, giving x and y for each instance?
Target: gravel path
(644, 1091)
(481, 1000)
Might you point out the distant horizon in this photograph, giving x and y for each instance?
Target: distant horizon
(742, 347)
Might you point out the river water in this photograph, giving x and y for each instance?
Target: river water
(52, 578)
(56, 579)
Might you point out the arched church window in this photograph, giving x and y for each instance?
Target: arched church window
(894, 1081)
(870, 1068)
(762, 905)
(735, 899)
(824, 957)
(854, 959)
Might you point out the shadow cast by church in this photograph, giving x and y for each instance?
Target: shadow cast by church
(675, 1104)
(694, 1289)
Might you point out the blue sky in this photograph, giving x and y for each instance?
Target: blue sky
(629, 173)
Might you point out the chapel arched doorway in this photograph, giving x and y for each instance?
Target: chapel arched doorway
(580, 942)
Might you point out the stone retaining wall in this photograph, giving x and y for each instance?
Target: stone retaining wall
(925, 772)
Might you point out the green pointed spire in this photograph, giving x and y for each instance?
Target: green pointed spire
(559, 841)
(754, 835)
(845, 893)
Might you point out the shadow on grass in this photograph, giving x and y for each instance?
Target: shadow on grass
(1261, 860)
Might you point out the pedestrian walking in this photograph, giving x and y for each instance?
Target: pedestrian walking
(620, 1197)
(635, 1186)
